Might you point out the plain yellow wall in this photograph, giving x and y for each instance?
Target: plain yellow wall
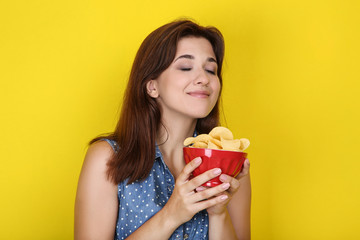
(291, 85)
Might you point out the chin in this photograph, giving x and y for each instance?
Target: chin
(199, 113)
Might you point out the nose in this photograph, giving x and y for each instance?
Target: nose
(202, 78)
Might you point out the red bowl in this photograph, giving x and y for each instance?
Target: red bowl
(230, 162)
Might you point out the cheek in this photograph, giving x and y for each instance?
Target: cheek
(217, 88)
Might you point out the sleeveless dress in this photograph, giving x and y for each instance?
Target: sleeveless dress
(141, 200)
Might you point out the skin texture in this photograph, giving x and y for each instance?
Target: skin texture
(186, 91)
(189, 87)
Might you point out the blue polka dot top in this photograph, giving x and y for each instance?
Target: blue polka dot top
(141, 200)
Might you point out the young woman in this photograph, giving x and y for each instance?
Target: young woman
(134, 183)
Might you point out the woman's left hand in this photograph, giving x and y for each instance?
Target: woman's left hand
(235, 184)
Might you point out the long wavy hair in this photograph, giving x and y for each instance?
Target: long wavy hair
(140, 117)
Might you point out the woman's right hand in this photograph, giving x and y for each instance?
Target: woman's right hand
(185, 202)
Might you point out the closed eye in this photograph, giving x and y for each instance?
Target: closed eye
(185, 69)
(211, 72)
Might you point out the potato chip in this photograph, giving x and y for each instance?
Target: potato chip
(213, 146)
(218, 132)
(200, 145)
(231, 145)
(218, 138)
(216, 142)
(189, 141)
(202, 138)
(244, 144)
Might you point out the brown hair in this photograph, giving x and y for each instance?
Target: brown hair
(140, 116)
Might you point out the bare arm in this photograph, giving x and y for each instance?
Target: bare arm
(239, 209)
(96, 204)
(231, 219)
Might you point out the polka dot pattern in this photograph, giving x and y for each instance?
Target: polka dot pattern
(141, 200)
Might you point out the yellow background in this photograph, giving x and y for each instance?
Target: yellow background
(291, 85)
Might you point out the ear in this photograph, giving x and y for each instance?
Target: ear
(151, 88)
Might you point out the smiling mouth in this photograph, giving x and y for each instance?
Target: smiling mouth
(199, 94)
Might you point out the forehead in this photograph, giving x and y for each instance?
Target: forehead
(195, 45)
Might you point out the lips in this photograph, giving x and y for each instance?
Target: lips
(199, 94)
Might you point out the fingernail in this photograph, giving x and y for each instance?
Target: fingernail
(223, 178)
(223, 197)
(225, 185)
(198, 160)
(217, 171)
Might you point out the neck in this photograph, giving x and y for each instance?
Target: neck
(170, 139)
(172, 136)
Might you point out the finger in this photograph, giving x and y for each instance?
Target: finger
(210, 192)
(211, 202)
(188, 169)
(203, 178)
(234, 183)
(201, 188)
(245, 169)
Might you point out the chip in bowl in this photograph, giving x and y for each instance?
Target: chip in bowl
(218, 149)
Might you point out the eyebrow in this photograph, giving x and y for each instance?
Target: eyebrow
(188, 56)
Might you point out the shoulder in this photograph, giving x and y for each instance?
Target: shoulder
(98, 154)
(95, 162)
(100, 150)
(96, 197)
(93, 180)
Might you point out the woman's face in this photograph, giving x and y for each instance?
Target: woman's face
(189, 86)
